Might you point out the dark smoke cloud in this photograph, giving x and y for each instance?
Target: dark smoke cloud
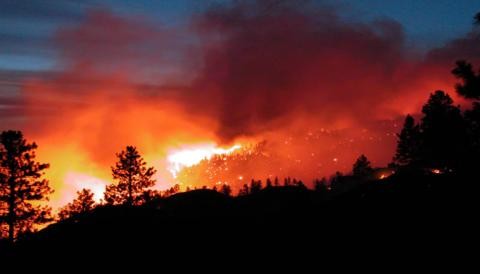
(256, 64)
(466, 48)
(262, 65)
(108, 44)
(246, 68)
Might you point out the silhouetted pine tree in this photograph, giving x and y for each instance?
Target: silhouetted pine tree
(245, 190)
(300, 184)
(255, 186)
(133, 177)
(320, 186)
(268, 183)
(408, 144)
(472, 117)
(469, 88)
(477, 19)
(83, 203)
(276, 183)
(362, 167)
(336, 180)
(444, 137)
(21, 186)
(226, 190)
(470, 85)
(175, 189)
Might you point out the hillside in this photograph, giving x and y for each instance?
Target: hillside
(400, 209)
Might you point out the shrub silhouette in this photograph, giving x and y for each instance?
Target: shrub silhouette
(82, 204)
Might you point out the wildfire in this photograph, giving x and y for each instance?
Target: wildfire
(191, 155)
(385, 174)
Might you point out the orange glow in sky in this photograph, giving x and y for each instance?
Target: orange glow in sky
(108, 94)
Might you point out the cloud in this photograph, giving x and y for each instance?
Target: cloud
(261, 66)
(241, 70)
(466, 48)
(25, 25)
(250, 67)
(37, 9)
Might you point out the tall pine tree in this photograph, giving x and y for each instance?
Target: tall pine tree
(469, 87)
(444, 135)
(133, 178)
(472, 116)
(362, 167)
(21, 186)
(408, 144)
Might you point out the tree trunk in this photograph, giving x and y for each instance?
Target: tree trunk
(11, 211)
(130, 198)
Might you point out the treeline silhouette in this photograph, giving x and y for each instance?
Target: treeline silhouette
(431, 181)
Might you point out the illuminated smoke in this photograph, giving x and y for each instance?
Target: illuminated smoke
(320, 90)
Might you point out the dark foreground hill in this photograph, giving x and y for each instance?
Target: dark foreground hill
(415, 212)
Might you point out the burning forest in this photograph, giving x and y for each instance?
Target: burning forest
(235, 97)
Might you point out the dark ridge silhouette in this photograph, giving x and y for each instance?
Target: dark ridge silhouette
(199, 218)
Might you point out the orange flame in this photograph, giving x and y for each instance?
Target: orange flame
(191, 155)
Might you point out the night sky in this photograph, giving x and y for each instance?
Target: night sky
(26, 27)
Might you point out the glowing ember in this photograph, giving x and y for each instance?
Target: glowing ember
(436, 171)
(192, 155)
(385, 174)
